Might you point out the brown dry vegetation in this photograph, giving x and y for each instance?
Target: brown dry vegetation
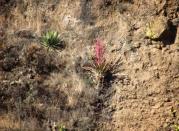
(40, 87)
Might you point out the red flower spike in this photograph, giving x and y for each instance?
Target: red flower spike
(99, 52)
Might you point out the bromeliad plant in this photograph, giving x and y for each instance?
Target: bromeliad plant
(103, 64)
(51, 40)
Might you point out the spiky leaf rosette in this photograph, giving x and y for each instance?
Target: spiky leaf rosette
(51, 40)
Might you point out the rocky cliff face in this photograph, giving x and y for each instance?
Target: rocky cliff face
(40, 88)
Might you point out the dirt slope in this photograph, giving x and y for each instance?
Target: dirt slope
(41, 88)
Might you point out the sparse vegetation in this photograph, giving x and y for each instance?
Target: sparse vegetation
(51, 40)
(62, 128)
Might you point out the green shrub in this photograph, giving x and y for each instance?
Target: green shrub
(51, 40)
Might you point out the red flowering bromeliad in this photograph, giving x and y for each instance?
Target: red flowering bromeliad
(103, 63)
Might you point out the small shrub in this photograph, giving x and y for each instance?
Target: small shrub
(103, 64)
(51, 40)
(176, 127)
(61, 128)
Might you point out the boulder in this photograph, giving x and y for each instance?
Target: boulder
(156, 28)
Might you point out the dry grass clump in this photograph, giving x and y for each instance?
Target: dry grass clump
(6, 122)
(41, 60)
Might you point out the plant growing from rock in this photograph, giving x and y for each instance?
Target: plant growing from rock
(51, 40)
(103, 64)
